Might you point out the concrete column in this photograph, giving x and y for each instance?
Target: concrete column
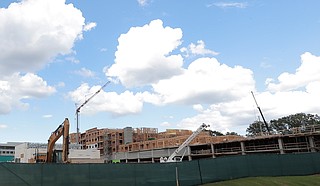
(189, 153)
(280, 142)
(152, 158)
(243, 150)
(311, 143)
(212, 150)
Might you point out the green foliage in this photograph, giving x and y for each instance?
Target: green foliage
(216, 133)
(295, 120)
(232, 133)
(256, 128)
(284, 123)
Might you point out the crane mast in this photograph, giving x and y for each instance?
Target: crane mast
(184, 144)
(83, 104)
(264, 120)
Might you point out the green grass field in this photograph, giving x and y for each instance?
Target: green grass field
(274, 181)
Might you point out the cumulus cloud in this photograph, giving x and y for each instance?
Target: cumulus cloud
(238, 115)
(16, 88)
(198, 49)
(111, 102)
(219, 93)
(143, 55)
(198, 107)
(308, 72)
(32, 32)
(85, 72)
(205, 81)
(89, 26)
(284, 100)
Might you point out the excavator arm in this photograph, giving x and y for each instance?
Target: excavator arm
(62, 130)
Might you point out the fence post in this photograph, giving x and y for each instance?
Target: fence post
(200, 171)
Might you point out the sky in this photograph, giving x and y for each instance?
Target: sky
(171, 64)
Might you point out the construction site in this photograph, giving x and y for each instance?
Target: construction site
(145, 156)
(174, 157)
(147, 145)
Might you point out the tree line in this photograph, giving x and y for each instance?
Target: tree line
(287, 123)
(282, 124)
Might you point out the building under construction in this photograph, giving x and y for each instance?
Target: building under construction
(148, 145)
(297, 140)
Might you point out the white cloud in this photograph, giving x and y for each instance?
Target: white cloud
(198, 49)
(308, 72)
(32, 32)
(143, 55)
(165, 124)
(60, 84)
(236, 115)
(219, 93)
(47, 116)
(16, 88)
(103, 49)
(89, 26)
(111, 102)
(198, 107)
(3, 126)
(85, 72)
(313, 87)
(205, 81)
(229, 5)
(72, 59)
(143, 2)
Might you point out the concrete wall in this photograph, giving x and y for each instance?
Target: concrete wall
(156, 153)
(25, 154)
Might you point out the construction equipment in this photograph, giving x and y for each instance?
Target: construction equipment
(52, 155)
(83, 104)
(264, 120)
(173, 157)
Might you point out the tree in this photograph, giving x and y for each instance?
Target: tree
(216, 133)
(293, 121)
(256, 128)
(232, 133)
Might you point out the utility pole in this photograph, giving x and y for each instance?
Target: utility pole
(83, 104)
(265, 123)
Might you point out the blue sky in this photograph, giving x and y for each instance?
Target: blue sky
(172, 64)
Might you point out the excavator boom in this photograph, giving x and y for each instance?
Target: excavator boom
(62, 130)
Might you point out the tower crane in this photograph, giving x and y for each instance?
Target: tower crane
(83, 104)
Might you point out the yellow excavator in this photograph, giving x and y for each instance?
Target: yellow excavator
(54, 156)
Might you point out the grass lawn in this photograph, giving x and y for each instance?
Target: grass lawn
(274, 181)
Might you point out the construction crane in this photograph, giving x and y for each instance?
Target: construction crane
(172, 157)
(264, 120)
(83, 104)
(62, 130)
